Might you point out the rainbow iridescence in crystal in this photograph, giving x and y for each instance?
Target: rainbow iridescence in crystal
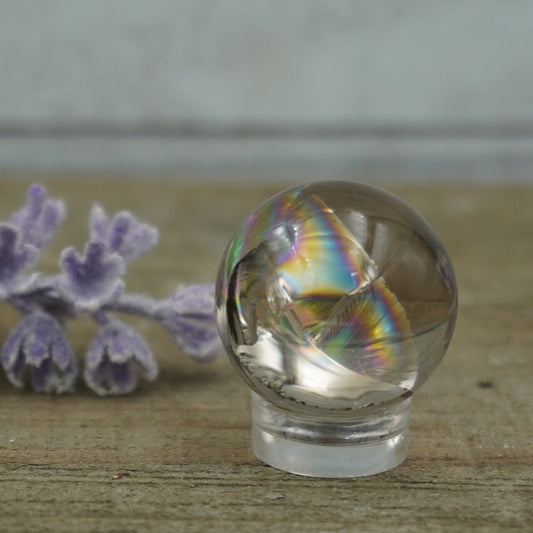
(308, 303)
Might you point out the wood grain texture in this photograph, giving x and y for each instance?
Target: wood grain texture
(182, 443)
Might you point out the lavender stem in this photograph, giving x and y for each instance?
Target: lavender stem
(135, 304)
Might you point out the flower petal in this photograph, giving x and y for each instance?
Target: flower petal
(195, 300)
(40, 375)
(12, 346)
(98, 223)
(40, 330)
(13, 357)
(38, 348)
(124, 377)
(197, 339)
(15, 256)
(115, 358)
(124, 235)
(15, 372)
(39, 218)
(130, 238)
(91, 281)
(189, 317)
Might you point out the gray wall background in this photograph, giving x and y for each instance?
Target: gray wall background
(249, 89)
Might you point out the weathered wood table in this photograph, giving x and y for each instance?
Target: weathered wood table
(175, 455)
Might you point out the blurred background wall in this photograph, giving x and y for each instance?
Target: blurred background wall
(255, 89)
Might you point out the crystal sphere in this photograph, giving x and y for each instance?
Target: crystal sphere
(335, 301)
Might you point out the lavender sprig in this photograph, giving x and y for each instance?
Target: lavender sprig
(91, 284)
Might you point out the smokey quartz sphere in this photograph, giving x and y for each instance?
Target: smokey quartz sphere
(335, 296)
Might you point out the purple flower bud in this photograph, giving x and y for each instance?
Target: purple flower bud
(124, 235)
(37, 347)
(189, 317)
(115, 359)
(15, 257)
(93, 280)
(39, 219)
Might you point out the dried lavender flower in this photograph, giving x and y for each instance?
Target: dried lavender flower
(115, 358)
(189, 317)
(15, 258)
(22, 239)
(91, 281)
(37, 347)
(124, 235)
(90, 285)
(39, 219)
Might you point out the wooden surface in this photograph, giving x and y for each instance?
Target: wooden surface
(182, 443)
